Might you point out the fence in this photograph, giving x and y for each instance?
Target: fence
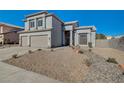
(113, 43)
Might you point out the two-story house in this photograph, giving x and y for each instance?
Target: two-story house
(44, 29)
(8, 33)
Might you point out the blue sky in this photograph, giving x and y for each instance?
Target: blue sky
(107, 22)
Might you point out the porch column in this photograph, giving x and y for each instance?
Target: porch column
(63, 37)
(35, 23)
(71, 38)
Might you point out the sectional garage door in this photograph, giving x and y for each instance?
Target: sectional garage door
(39, 41)
(24, 41)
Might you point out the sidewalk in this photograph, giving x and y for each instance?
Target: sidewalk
(12, 74)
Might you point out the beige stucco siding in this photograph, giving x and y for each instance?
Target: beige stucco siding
(42, 16)
(56, 34)
(1, 38)
(48, 22)
(11, 37)
(7, 35)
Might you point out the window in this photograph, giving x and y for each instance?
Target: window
(83, 38)
(39, 22)
(31, 23)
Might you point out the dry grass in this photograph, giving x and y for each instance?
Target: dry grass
(63, 64)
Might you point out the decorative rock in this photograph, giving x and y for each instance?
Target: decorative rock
(121, 66)
(101, 71)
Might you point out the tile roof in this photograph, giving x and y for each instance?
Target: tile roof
(11, 25)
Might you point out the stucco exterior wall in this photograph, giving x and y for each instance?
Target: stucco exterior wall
(12, 37)
(48, 22)
(93, 38)
(68, 27)
(7, 36)
(90, 36)
(56, 34)
(42, 16)
(1, 38)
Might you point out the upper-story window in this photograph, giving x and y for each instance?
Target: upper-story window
(31, 23)
(39, 22)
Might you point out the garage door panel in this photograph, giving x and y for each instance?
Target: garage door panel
(24, 41)
(39, 41)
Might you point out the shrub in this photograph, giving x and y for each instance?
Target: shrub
(39, 49)
(121, 40)
(90, 45)
(112, 60)
(14, 56)
(72, 47)
(100, 36)
(80, 51)
(77, 46)
(88, 63)
(52, 49)
(90, 50)
(29, 51)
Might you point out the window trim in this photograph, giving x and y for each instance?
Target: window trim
(39, 19)
(31, 23)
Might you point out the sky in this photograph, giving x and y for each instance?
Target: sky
(107, 22)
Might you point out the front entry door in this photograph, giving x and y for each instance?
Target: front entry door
(67, 37)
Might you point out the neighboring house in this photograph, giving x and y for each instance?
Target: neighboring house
(119, 36)
(8, 33)
(109, 37)
(43, 29)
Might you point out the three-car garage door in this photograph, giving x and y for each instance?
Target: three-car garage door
(39, 41)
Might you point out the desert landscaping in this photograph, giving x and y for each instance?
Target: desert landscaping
(70, 64)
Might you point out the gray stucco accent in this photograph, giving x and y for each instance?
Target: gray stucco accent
(56, 34)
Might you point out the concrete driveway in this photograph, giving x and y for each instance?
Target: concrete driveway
(10, 73)
(6, 53)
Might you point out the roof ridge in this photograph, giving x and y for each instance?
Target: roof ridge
(8, 24)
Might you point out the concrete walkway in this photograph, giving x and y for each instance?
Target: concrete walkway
(12, 74)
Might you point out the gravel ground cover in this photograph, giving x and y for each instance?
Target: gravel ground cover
(68, 65)
(61, 64)
(102, 72)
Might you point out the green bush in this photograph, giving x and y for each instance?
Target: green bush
(112, 60)
(14, 56)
